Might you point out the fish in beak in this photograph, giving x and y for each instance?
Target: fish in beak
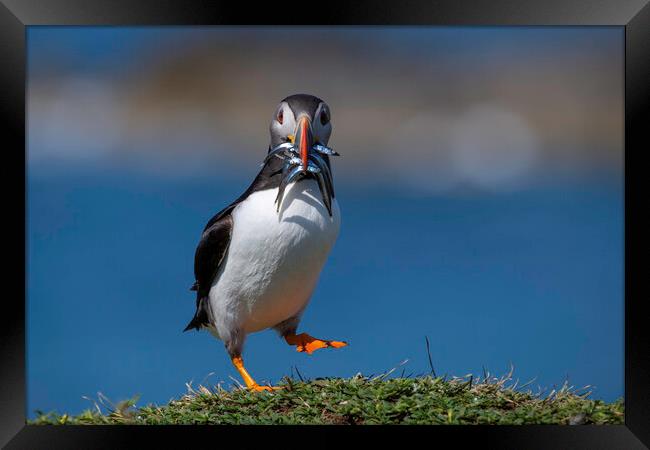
(303, 157)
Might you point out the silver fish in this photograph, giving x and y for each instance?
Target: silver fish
(325, 150)
(292, 170)
(311, 167)
(325, 193)
(281, 151)
(294, 161)
(320, 162)
(285, 146)
(293, 175)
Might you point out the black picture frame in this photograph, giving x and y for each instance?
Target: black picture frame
(16, 15)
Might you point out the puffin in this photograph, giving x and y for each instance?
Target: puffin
(259, 259)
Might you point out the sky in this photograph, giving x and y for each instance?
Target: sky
(481, 190)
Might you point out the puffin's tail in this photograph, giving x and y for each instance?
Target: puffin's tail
(193, 324)
(201, 317)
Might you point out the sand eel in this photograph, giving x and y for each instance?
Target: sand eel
(259, 259)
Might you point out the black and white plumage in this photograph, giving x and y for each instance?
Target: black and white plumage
(259, 259)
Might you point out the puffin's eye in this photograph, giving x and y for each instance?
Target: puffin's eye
(280, 116)
(324, 118)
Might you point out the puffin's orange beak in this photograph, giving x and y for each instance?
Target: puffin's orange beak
(305, 140)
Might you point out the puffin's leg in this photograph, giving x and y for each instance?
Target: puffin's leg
(303, 342)
(238, 362)
(234, 345)
(307, 343)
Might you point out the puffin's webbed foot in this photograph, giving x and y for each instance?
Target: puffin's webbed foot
(309, 344)
(258, 388)
(251, 384)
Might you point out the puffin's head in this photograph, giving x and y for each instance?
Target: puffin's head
(300, 131)
(301, 119)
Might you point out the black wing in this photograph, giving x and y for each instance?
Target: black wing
(208, 257)
(215, 240)
(211, 251)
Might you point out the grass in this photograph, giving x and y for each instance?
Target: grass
(362, 400)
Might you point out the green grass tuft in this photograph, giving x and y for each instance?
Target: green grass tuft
(362, 400)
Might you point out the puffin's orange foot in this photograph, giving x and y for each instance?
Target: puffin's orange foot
(257, 388)
(309, 344)
(250, 383)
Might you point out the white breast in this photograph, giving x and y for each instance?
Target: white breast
(274, 259)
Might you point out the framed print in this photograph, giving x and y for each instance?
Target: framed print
(418, 214)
